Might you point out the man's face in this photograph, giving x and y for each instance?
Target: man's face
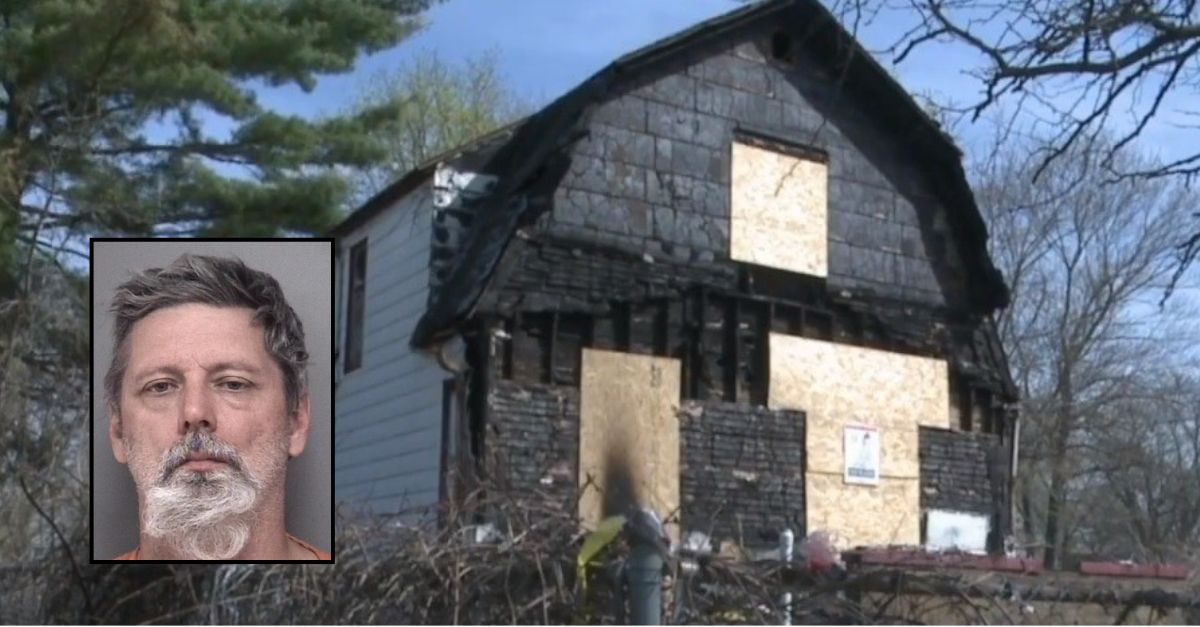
(203, 420)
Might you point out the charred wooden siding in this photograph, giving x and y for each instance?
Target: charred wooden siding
(642, 216)
(626, 246)
(968, 472)
(958, 470)
(654, 172)
(743, 472)
(741, 476)
(535, 440)
(634, 256)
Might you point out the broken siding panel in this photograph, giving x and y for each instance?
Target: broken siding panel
(778, 209)
(396, 395)
(453, 190)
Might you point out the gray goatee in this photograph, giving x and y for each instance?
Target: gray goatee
(202, 515)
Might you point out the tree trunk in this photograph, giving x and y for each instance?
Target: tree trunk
(1058, 480)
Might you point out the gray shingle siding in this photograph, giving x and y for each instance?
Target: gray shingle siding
(654, 171)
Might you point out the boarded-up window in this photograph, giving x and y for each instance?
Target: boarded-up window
(778, 208)
(356, 307)
(837, 386)
(629, 435)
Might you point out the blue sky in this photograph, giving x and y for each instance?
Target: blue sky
(545, 47)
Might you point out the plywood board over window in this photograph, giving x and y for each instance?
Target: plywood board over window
(628, 435)
(837, 385)
(778, 210)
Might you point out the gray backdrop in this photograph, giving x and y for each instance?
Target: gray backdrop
(303, 270)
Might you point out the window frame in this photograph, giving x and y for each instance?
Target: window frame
(356, 306)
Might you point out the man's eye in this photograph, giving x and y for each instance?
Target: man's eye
(159, 387)
(235, 386)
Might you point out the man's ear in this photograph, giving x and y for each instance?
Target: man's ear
(116, 432)
(300, 422)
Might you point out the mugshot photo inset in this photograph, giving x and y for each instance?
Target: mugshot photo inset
(212, 417)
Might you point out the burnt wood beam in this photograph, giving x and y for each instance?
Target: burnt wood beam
(821, 325)
(571, 338)
(603, 335)
(589, 332)
(549, 357)
(686, 342)
(966, 402)
(506, 355)
(994, 420)
(732, 357)
(642, 321)
(760, 386)
(697, 345)
(520, 349)
(621, 326)
(481, 381)
(715, 353)
(661, 341)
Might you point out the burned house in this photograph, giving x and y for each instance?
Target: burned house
(740, 265)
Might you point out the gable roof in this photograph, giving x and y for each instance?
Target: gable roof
(533, 156)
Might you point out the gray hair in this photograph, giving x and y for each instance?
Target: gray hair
(218, 281)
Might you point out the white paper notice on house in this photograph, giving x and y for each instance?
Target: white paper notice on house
(862, 454)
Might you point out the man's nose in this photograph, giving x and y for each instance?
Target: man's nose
(198, 410)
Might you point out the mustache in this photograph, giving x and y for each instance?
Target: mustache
(199, 443)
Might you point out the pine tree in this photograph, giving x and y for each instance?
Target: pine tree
(106, 106)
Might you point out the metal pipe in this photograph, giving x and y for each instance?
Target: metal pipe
(616, 575)
(787, 543)
(644, 576)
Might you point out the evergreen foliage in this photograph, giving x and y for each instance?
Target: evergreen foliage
(107, 106)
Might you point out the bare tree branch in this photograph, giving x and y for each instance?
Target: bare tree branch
(66, 546)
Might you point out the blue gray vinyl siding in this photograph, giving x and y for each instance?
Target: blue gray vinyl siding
(389, 411)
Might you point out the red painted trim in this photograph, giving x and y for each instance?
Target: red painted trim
(1117, 569)
(918, 559)
(913, 558)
